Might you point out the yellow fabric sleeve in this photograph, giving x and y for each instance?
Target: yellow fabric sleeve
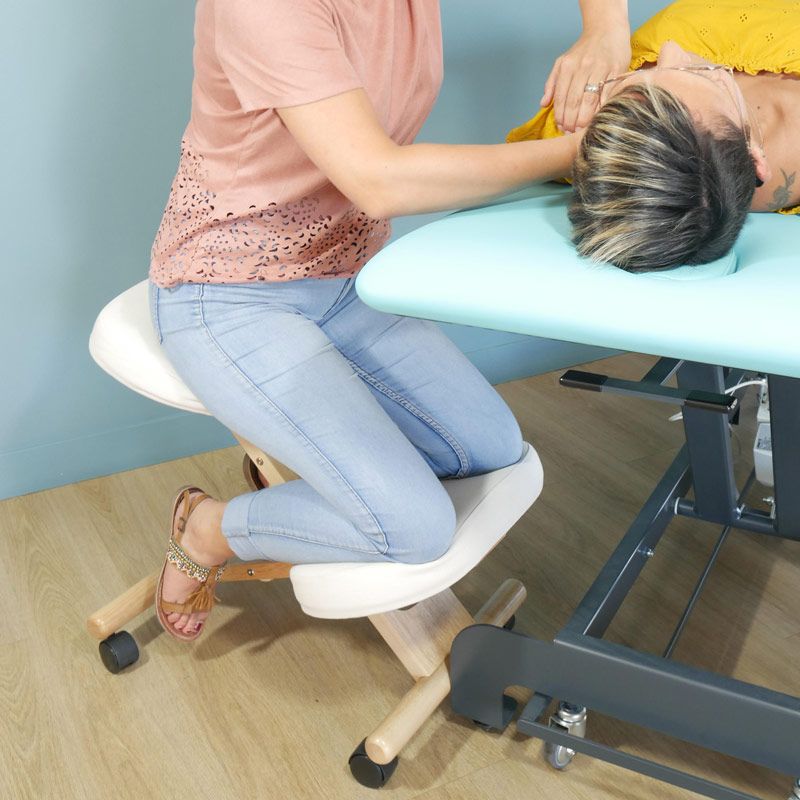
(751, 37)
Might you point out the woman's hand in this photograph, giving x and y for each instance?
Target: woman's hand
(603, 50)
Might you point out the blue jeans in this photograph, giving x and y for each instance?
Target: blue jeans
(371, 409)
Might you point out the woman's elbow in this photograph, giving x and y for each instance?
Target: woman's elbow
(375, 203)
(373, 183)
(374, 190)
(373, 211)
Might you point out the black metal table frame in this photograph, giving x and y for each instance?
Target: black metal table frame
(739, 719)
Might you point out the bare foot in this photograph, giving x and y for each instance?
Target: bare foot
(204, 543)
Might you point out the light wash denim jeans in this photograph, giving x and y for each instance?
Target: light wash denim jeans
(371, 409)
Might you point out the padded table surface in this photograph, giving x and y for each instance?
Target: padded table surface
(510, 266)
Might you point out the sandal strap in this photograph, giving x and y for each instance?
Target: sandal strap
(178, 557)
(201, 599)
(189, 504)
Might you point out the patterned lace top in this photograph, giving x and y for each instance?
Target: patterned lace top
(246, 203)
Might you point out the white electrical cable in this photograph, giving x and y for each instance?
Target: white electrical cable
(756, 382)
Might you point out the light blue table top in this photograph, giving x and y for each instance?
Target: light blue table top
(511, 267)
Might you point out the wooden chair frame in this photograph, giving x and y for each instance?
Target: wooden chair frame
(419, 636)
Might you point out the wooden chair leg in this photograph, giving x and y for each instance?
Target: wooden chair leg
(255, 571)
(113, 616)
(397, 728)
(272, 471)
(140, 597)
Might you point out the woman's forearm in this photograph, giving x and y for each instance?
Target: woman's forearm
(604, 13)
(344, 138)
(421, 178)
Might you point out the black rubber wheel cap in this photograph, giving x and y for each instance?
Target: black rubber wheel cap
(367, 772)
(118, 651)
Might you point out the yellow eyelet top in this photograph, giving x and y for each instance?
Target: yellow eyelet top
(751, 37)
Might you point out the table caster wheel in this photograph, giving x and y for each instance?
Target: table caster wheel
(118, 651)
(255, 480)
(570, 719)
(510, 622)
(367, 772)
(558, 756)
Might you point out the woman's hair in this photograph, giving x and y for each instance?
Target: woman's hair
(653, 190)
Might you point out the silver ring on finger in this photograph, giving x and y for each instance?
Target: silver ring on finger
(593, 88)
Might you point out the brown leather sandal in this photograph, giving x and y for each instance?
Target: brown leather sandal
(202, 598)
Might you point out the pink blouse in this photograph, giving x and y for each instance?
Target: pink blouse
(246, 203)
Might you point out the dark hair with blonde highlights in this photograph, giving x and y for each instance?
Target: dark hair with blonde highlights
(653, 190)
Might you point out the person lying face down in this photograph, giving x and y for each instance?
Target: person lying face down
(668, 167)
(675, 153)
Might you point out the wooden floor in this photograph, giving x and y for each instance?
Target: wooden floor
(270, 703)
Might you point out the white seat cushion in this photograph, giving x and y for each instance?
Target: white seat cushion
(125, 345)
(486, 508)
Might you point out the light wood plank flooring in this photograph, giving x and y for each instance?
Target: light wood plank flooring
(270, 703)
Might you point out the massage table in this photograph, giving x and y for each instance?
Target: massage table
(510, 266)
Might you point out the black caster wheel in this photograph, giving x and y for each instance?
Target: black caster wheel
(367, 772)
(511, 622)
(119, 651)
(255, 480)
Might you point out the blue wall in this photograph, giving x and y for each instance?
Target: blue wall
(92, 123)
